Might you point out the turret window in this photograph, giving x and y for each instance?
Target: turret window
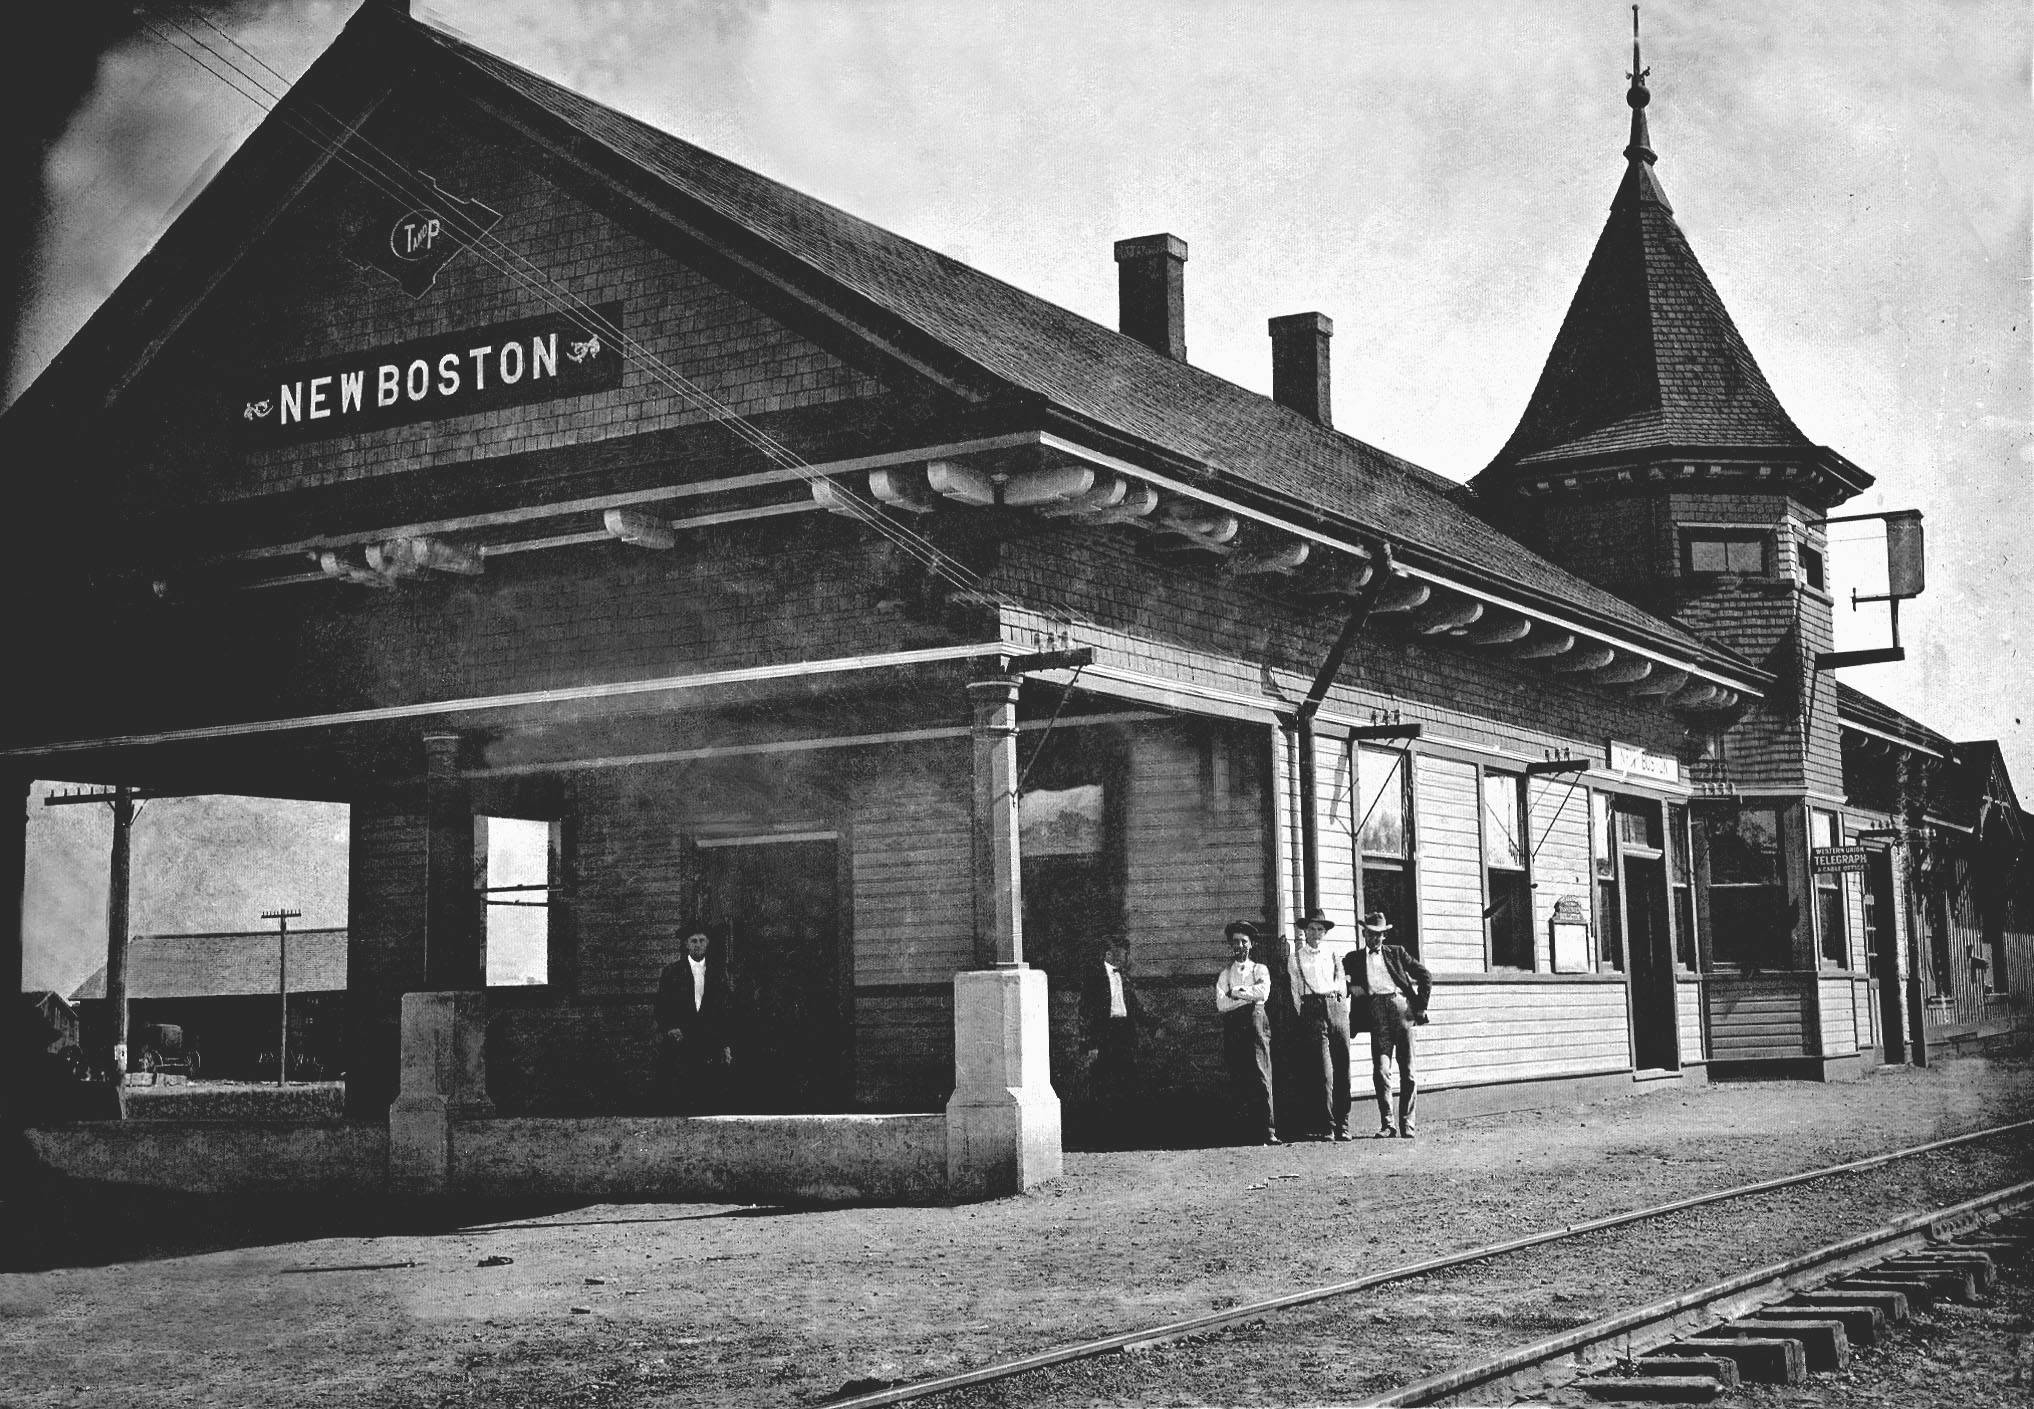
(1710, 552)
(1811, 567)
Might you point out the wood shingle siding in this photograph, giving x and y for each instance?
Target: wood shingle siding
(1450, 865)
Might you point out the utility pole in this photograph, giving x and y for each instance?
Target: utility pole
(282, 920)
(122, 800)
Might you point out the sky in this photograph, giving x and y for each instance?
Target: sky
(1431, 174)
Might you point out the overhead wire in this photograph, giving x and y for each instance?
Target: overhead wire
(388, 174)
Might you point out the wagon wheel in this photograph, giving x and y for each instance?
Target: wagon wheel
(192, 1062)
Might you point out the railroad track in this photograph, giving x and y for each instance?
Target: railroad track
(1771, 1326)
(1259, 1327)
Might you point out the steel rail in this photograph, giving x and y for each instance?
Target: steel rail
(1235, 1315)
(1611, 1327)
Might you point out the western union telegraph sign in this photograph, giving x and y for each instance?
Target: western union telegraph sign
(453, 374)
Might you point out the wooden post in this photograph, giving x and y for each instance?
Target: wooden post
(117, 883)
(998, 883)
(452, 935)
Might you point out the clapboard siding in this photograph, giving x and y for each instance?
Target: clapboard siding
(913, 869)
(1688, 1009)
(1865, 1013)
(1766, 1015)
(1839, 1016)
(1335, 785)
(903, 1049)
(1515, 1032)
(1194, 844)
(1450, 865)
(1558, 837)
(1853, 906)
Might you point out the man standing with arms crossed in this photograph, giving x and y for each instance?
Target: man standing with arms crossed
(1241, 991)
(1391, 989)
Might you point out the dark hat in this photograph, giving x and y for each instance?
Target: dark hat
(1242, 927)
(1316, 916)
(1375, 921)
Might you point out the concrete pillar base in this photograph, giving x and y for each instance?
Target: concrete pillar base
(1002, 1123)
(444, 1077)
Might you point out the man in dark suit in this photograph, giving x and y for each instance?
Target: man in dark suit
(1112, 1029)
(694, 1053)
(1390, 989)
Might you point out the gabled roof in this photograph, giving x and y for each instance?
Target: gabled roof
(1092, 373)
(1648, 364)
(1083, 378)
(226, 965)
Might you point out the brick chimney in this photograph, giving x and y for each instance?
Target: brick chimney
(1151, 292)
(1299, 363)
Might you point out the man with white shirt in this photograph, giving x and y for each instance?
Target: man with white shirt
(1241, 991)
(1112, 1029)
(1390, 989)
(1321, 994)
(694, 1054)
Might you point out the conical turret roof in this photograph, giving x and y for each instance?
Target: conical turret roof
(1648, 366)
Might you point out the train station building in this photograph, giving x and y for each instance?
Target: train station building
(505, 468)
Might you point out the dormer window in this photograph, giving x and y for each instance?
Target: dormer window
(1712, 552)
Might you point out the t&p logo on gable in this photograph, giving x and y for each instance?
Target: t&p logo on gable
(414, 246)
(415, 234)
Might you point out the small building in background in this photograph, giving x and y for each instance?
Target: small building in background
(223, 990)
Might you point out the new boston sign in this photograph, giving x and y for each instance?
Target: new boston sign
(452, 374)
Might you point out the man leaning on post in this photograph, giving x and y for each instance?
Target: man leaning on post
(1390, 989)
(1322, 995)
(1241, 991)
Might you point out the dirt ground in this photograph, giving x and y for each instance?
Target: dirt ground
(714, 1304)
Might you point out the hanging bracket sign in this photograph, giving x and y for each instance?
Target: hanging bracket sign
(1841, 858)
(452, 374)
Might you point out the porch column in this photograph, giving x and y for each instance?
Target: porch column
(452, 936)
(14, 1033)
(119, 888)
(999, 901)
(1003, 1121)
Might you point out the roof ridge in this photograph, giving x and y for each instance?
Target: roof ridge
(1129, 344)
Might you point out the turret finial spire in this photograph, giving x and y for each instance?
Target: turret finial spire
(1641, 146)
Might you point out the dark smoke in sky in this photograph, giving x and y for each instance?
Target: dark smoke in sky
(53, 67)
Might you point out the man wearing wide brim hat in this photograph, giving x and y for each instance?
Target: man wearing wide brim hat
(1241, 991)
(1322, 995)
(1389, 991)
